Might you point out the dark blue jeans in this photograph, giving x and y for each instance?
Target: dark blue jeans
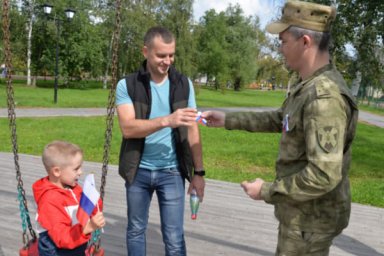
(48, 248)
(169, 187)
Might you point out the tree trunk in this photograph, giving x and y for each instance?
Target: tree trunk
(105, 79)
(237, 84)
(29, 43)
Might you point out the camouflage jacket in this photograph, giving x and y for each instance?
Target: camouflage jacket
(318, 120)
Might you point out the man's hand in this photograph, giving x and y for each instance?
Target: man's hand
(214, 118)
(253, 189)
(197, 183)
(181, 117)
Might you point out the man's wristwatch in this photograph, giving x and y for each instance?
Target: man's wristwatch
(199, 173)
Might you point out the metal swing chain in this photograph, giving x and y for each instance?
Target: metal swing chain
(12, 124)
(95, 240)
(111, 98)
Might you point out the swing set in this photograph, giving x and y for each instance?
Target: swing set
(30, 241)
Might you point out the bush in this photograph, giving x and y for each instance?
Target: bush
(84, 84)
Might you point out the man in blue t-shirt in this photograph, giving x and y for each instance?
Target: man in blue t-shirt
(161, 143)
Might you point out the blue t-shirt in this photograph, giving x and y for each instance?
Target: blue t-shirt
(159, 149)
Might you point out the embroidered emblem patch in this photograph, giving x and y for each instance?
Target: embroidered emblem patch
(327, 137)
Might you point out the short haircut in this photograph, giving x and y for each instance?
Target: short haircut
(158, 31)
(59, 153)
(321, 39)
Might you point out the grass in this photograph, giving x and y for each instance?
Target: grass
(246, 98)
(76, 98)
(228, 155)
(67, 98)
(367, 173)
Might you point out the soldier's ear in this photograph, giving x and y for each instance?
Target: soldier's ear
(307, 41)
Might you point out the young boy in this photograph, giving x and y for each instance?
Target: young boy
(57, 197)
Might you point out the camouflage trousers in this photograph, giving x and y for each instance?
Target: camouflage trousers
(299, 243)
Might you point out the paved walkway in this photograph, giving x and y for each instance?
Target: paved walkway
(228, 222)
(41, 112)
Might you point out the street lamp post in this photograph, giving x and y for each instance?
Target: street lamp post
(69, 13)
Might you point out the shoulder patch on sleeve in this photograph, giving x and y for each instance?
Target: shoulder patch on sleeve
(327, 138)
(322, 88)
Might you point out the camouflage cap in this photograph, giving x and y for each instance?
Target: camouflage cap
(305, 15)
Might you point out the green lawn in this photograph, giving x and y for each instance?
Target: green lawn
(67, 98)
(228, 155)
(246, 98)
(75, 98)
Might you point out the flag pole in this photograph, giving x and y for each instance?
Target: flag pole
(98, 210)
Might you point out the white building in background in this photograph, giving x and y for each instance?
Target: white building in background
(201, 80)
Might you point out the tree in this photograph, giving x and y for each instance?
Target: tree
(176, 15)
(137, 18)
(229, 45)
(212, 46)
(17, 27)
(360, 23)
(272, 69)
(81, 42)
(29, 11)
(244, 41)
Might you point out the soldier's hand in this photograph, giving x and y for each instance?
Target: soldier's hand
(214, 118)
(253, 189)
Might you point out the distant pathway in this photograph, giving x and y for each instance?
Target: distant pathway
(364, 116)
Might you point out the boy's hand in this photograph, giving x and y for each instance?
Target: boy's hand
(96, 222)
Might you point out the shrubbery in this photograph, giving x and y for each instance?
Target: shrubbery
(71, 85)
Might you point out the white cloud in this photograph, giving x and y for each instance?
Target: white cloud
(266, 10)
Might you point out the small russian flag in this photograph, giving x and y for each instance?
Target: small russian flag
(88, 201)
(201, 120)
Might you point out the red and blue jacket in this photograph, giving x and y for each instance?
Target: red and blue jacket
(56, 213)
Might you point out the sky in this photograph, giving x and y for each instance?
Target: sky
(266, 10)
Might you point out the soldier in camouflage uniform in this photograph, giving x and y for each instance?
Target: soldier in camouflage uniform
(318, 119)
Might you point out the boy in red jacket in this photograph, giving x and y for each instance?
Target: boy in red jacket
(57, 197)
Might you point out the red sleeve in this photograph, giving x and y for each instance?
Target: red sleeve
(54, 218)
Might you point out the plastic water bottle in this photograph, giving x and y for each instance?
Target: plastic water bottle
(194, 202)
